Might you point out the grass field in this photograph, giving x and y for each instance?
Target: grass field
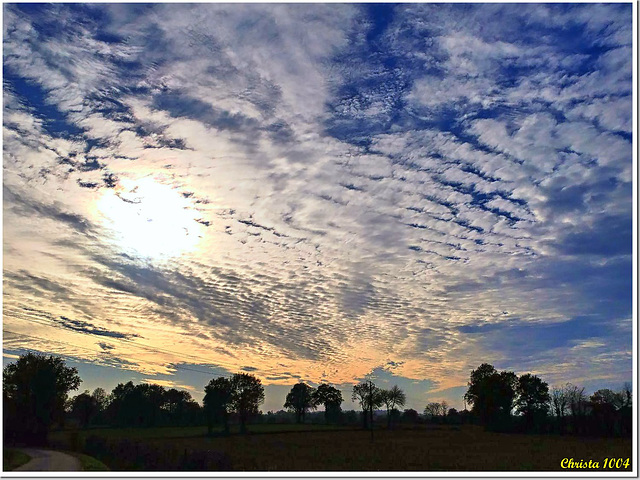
(318, 448)
(12, 459)
(186, 432)
(89, 464)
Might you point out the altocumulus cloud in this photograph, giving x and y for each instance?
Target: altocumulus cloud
(425, 187)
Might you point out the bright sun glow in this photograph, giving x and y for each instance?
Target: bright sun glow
(150, 218)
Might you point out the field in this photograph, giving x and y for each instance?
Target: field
(319, 448)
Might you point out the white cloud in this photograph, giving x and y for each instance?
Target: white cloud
(321, 251)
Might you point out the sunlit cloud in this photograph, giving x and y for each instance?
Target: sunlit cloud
(150, 219)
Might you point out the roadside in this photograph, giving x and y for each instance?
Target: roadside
(89, 464)
(12, 458)
(48, 461)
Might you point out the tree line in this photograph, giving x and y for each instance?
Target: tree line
(36, 388)
(505, 402)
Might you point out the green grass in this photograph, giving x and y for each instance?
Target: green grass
(89, 464)
(12, 459)
(322, 448)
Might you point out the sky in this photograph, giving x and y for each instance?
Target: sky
(311, 192)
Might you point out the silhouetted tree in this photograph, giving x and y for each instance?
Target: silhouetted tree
(155, 396)
(444, 407)
(605, 404)
(248, 394)
(102, 400)
(626, 412)
(465, 416)
(626, 394)
(491, 394)
(560, 405)
(578, 406)
(178, 404)
(392, 398)
(84, 407)
(136, 405)
(299, 400)
(368, 396)
(432, 411)
(217, 402)
(436, 411)
(331, 398)
(36, 388)
(410, 416)
(532, 400)
(350, 417)
(453, 416)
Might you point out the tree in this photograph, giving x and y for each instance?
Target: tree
(36, 387)
(155, 399)
(444, 406)
(368, 396)
(436, 411)
(177, 404)
(453, 416)
(248, 394)
(491, 394)
(410, 416)
(299, 400)
(392, 398)
(577, 406)
(533, 399)
(560, 405)
(217, 402)
(125, 408)
(626, 411)
(101, 398)
(432, 410)
(331, 398)
(85, 408)
(136, 404)
(605, 404)
(605, 396)
(626, 394)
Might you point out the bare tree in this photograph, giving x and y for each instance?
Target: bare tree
(432, 411)
(626, 393)
(560, 404)
(392, 398)
(578, 402)
(368, 395)
(444, 407)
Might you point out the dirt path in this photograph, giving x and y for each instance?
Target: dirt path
(49, 461)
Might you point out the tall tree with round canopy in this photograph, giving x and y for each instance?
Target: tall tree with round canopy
(248, 394)
(331, 398)
(300, 399)
(36, 387)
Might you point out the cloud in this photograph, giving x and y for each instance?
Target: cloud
(86, 327)
(369, 185)
(168, 384)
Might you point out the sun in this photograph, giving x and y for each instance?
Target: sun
(150, 219)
